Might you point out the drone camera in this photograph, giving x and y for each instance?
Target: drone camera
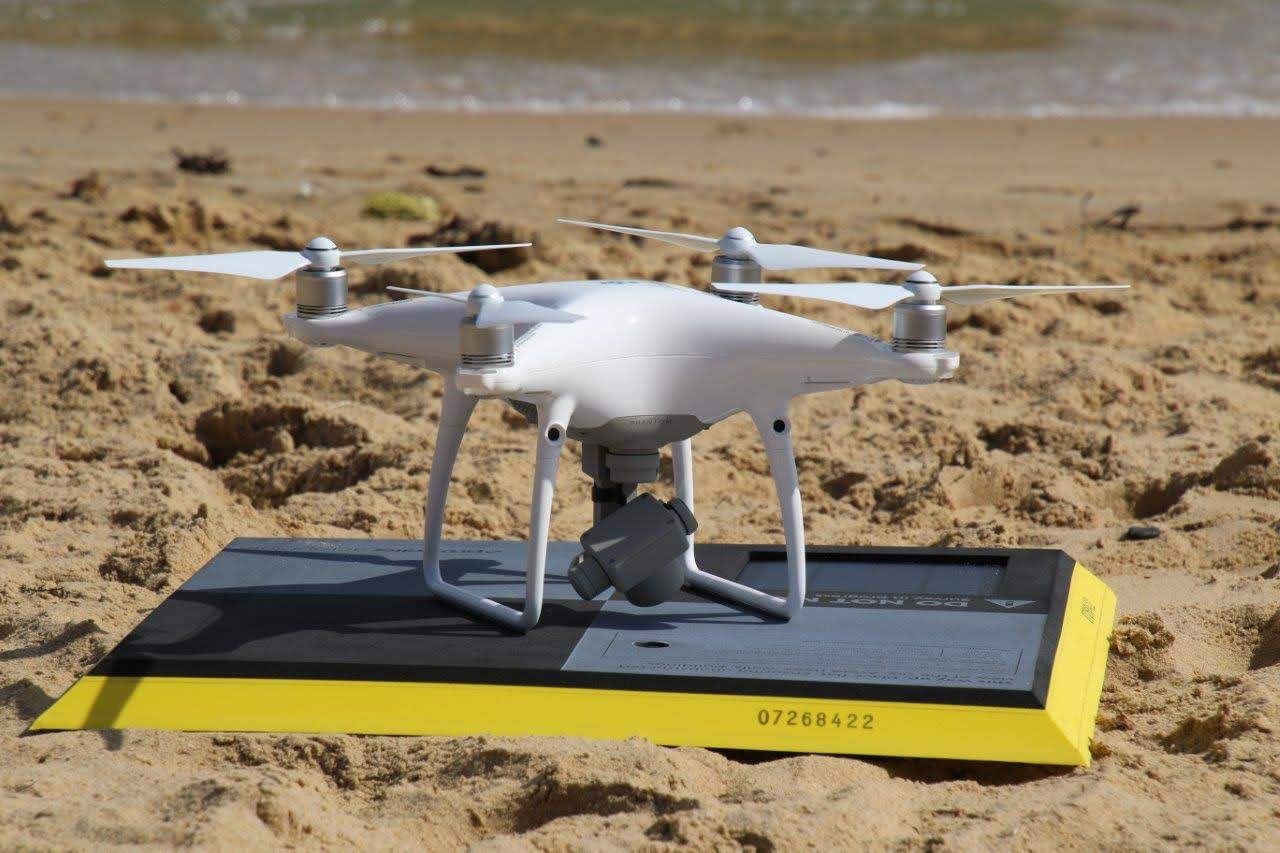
(637, 550)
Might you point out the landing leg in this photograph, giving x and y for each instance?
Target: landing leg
(775, 432)
(553, 420)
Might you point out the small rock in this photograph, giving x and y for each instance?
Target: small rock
(455, 172)
(650, 183)
(212, 162)
(594, 141)
(1141, 533)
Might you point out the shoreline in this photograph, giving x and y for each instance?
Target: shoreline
(886, 111)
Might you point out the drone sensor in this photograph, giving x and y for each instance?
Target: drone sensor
(636, 549)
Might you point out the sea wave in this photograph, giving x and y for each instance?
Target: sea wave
(1211, 65)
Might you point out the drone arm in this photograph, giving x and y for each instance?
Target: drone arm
(782, 463)
(454, 415)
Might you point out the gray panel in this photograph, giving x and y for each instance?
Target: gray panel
(870, 575)
(376, 567)
(830, 644)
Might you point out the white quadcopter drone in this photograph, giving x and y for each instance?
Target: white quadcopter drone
(626, 367)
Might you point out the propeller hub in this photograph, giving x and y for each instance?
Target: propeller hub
(322, 254)
(736, 241)
(923, 286)
(481, 295)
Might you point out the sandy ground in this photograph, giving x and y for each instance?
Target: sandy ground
(125, 462)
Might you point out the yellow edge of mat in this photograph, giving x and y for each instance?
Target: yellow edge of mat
(1059, 734)
(1080, 663)
(677, 719)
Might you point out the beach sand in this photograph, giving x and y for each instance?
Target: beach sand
(122, 468)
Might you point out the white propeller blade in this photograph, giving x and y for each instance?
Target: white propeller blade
(266, 264)
(739, 242)
(858, 294)
(518, 312)
(502, 312)
(456, 297)
(776, 256)
(369, 257)
(688, 241)
(263, 264)
(974, 294)
(878, 296)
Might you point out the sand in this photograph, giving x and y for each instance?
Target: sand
(127, 457)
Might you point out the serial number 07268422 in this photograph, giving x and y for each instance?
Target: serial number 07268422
(815, 719)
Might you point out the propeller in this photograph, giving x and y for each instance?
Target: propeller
(489, 308)
(740, 243)
(857, 294)
(920, 287)
(320, 253)
(975, 294)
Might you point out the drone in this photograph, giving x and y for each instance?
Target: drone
(626, 367)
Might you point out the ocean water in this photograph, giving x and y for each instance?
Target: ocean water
(868, 58)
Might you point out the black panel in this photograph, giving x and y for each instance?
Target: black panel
(260, 633)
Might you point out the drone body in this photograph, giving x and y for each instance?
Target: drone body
(649, 363)
(626, 367)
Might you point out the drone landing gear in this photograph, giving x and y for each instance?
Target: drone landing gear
(775, 432)
(553, 419)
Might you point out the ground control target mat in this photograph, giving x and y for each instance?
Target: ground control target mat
(957, 653)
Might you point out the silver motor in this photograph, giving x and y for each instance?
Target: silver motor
(322, 284)
(481, 346)
(736, 271)
(920, 323)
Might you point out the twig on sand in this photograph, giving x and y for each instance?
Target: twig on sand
(1119, 218)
